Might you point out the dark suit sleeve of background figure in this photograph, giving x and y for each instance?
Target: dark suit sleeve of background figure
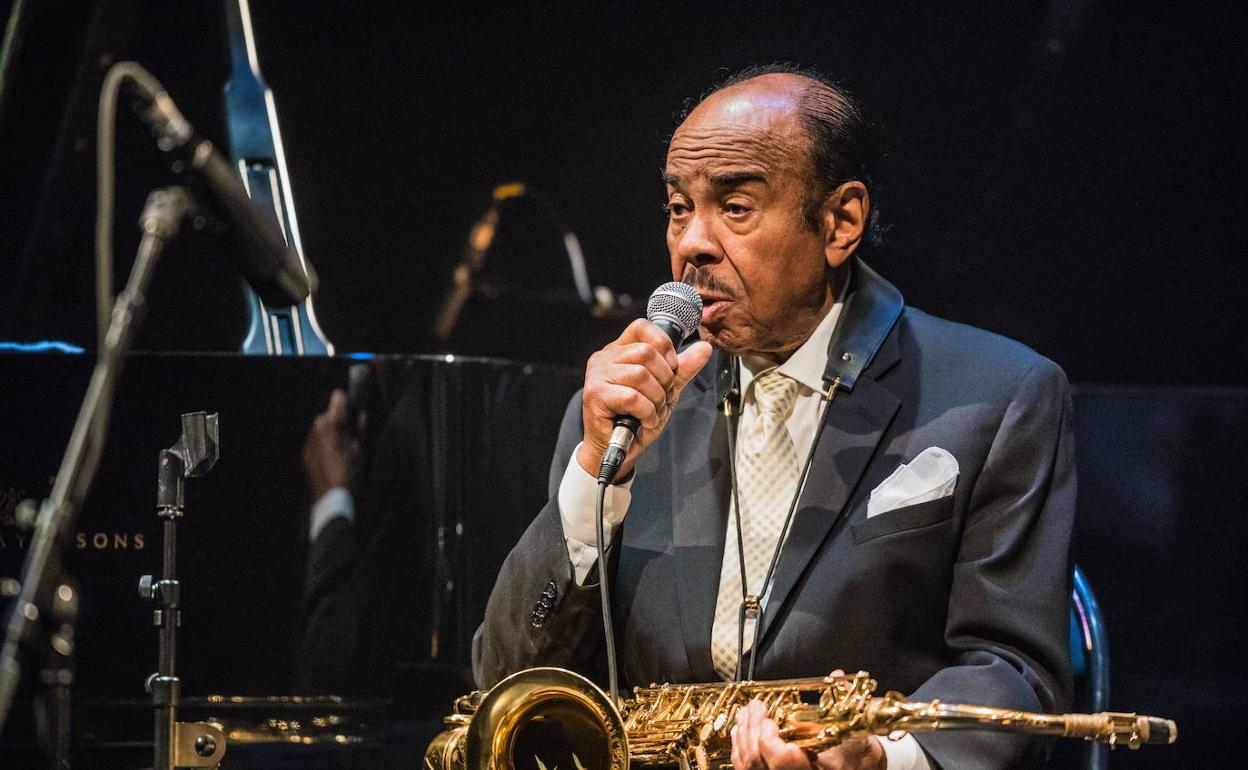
(1009, 601)
(325, 659)
(537, 615)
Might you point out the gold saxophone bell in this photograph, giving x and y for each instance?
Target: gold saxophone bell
(536, 719)
(554, 719)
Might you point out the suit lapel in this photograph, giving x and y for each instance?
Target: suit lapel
(863, 347)
(700, 497)
(852, 428)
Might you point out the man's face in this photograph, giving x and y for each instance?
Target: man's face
(737, 173)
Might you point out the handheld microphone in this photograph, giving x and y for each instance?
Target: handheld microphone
(278, 276)
(675, 308)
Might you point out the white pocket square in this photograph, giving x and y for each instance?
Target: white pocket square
(930, 476)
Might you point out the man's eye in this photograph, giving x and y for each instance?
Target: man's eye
(675, 209)
(736, 209)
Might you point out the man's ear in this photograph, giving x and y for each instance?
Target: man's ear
(844, 215)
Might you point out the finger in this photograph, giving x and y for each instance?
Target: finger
(777, 753)
(615, 399)
(337, 405)
(663, 368)
(738, 762)
(756, 717)
(744, 739)
(855, 753)
(837, 758)
(690, 362)
(740, 736)
(642, 330)
(633, 331)
(832, 759)
(640, 379)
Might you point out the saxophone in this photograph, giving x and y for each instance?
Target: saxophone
(548, 718)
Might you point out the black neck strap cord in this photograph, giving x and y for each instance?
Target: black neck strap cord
(731, 404)
(752, 604)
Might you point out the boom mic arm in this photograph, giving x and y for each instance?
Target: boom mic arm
(272, 269)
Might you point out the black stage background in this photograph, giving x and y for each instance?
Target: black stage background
(1065, 173)
(1068, 174)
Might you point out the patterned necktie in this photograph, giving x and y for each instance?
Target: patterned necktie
(767, 477)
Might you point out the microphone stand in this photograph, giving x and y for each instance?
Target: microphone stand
(45, 610)
(178, 744)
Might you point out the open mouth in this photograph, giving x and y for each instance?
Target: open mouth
(714, 307)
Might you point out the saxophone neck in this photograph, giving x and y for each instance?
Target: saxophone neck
(891, 713)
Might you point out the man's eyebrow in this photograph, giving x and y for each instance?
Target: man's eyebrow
(736, 178)
(729, 179)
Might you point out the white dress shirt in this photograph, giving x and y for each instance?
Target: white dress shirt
(578, 490)
(334, 504)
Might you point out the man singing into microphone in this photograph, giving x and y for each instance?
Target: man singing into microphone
(929, 539)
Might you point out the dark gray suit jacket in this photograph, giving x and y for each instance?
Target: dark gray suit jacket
(964, 599)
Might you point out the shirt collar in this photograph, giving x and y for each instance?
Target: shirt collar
(808, 362)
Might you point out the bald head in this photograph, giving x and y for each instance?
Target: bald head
(815, 116)
(753, 128)
(754, 100)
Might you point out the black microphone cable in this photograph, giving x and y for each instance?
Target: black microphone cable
(604, 596)
(676, 308)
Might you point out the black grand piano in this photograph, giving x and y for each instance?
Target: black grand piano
(455, 464)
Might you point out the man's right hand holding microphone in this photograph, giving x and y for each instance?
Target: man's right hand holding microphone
(639, 374)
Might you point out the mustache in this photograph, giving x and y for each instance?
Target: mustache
(702, 278)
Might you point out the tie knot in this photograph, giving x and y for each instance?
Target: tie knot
(774, 393)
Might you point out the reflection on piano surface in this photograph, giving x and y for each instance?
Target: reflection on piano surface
(382, 609)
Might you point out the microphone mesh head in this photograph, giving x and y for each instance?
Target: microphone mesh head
(677, 302)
